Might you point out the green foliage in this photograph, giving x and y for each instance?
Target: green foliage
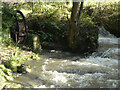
(7, 13)
(105, 11)
(108, 16)
(53, 10)
(15, 60)
(7, 22)
(87, 36)
(86, 22)
(47, 29)
(105, 14)
(48, 20)
(26, 6)
(5, 73)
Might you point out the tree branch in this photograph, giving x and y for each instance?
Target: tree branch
(80, 10)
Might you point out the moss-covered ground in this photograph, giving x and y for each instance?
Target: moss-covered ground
(12, 59)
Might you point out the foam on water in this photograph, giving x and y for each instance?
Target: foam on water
(58, 69)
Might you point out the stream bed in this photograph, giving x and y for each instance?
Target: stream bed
(57, 69)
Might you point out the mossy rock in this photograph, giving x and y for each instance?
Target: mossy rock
(36, 43)
(33, 41)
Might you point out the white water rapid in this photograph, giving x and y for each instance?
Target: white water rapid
(57, 69)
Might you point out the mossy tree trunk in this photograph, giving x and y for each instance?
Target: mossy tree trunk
(0, 23)
(75, 15)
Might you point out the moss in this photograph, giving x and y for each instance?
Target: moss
(33, 42)
(13, 61)
(16, 65)
(36, 43)
(108, 15)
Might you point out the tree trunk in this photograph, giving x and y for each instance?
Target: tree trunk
(80, 10)
(81, 38)
(32, 7)
(73, 24)
(0, 24)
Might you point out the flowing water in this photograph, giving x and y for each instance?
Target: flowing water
(57, 69)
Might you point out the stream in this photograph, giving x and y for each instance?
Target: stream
(58, 69)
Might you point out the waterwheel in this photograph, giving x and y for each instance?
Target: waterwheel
(18, 32)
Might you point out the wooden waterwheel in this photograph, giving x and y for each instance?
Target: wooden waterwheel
(18, 32)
